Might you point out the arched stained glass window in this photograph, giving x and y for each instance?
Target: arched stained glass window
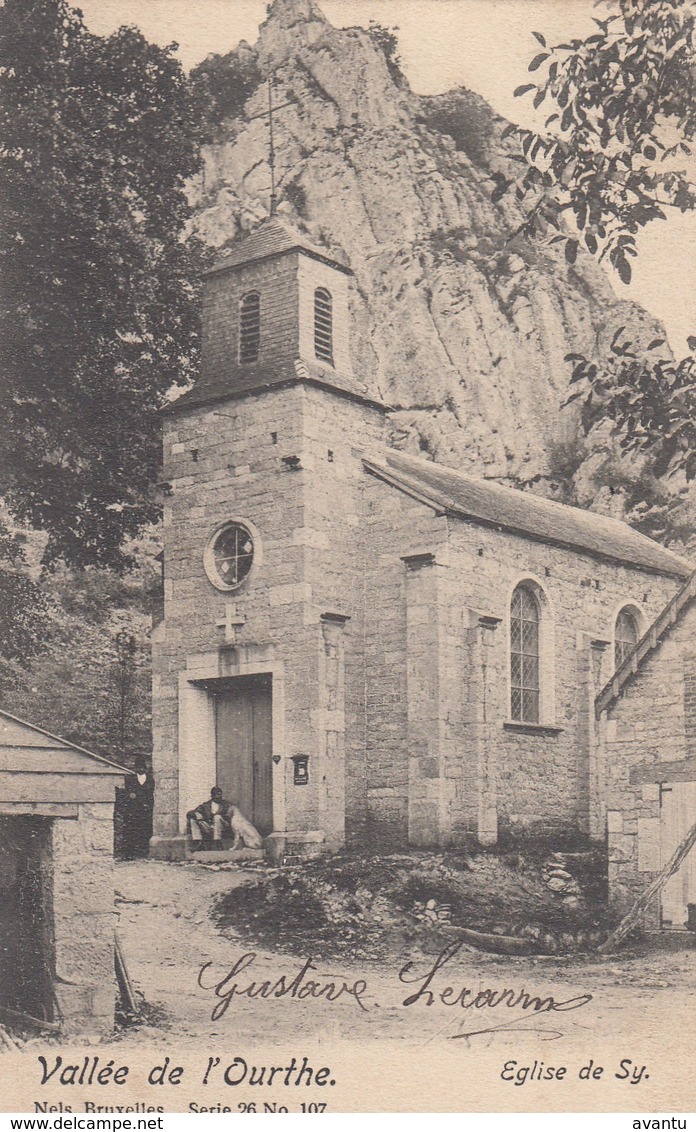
(625, 636)
(323, 325)
(524, 656)
(249, 327)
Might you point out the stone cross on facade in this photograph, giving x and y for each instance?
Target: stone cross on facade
(231, 622)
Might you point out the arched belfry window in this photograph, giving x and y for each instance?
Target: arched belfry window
(625, 636)
(323, 325)
(525, 686)
(249, 327)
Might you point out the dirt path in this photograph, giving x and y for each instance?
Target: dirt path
(168, 936)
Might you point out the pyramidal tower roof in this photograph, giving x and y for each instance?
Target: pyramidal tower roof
(273, 237)
(286, 350)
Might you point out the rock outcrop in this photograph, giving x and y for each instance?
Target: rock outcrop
(460, 325)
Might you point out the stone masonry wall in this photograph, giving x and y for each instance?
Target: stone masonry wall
(308, 562)
(238, 472)
(496, 776)
(397, 527)
(339, 563)
(543, 771)
(652, 721)
(276, 281)
(83, 909)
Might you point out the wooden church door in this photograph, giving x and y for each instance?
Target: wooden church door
(243, 724)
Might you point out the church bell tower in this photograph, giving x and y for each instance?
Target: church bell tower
(258, 670)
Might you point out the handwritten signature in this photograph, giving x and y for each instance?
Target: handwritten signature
(490, 998)
(428, 990)
(299, 987)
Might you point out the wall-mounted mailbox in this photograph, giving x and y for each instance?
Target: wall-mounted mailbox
(300, 770)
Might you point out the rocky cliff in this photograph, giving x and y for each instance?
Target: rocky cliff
(461, 326)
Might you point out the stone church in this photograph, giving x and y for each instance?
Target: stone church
(361, 646)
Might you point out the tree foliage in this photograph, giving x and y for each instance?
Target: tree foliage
(90, 680)
(97, 316)
(650, 402)
(615, 155)
(25, 608)
(622, 116)
(221, 85)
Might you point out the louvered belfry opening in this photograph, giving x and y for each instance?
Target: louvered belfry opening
(323, 325)
(250, 327)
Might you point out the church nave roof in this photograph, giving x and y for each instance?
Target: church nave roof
(508, 508)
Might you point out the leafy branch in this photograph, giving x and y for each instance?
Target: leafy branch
(649, 399)
(617, 147)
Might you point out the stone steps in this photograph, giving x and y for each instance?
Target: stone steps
(229, 856)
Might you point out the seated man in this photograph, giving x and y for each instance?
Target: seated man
(216, 819)
(211, 820)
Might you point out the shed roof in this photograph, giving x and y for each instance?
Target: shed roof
(506, 508)
(273, 237)
(28, 749)
(649, 642)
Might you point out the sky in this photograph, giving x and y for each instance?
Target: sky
(484, 45)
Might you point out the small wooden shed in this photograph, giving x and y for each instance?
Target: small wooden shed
(56, 879)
